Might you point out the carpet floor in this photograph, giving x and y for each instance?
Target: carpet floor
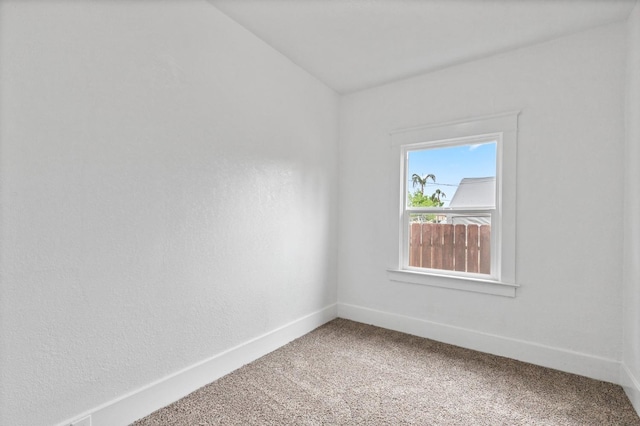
(347, 373)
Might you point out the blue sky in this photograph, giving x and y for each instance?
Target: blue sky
(450, 165)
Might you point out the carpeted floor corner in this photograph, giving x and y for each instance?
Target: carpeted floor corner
(347, 373)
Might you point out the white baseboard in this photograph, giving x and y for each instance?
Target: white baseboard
(141, 402)
(560, 359)
(631, 385)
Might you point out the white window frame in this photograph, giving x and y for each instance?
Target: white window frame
(501, 128)
(494, 212)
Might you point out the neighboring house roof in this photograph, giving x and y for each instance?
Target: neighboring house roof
(475, 192)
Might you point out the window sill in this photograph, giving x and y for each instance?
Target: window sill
(476, 285)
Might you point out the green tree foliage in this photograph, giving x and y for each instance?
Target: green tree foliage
(418, 199)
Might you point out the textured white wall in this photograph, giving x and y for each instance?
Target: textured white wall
(570, 153)
(168, 190)
(631, 355)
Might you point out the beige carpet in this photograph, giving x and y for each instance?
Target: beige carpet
(347, 373)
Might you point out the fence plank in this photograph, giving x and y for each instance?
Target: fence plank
(427, 232)
(414, 245)
(450, 247)
(436, 246)
(472, 248)
(460, 248)
(447, 247)
(485, 249)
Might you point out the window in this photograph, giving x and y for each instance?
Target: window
(451, 233)
(456, 221)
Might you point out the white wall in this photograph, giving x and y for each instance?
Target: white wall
(631, 296)
(161, 169)
(168, 190)
(569, 240)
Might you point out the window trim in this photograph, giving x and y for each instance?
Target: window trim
(499, 127)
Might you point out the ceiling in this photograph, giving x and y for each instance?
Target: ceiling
(356, 44)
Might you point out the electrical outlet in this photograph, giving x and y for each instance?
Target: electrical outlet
(85, 421)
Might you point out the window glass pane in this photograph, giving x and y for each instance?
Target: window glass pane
(460, 176)
(460, 244)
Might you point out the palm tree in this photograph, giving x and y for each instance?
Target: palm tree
(435, 197)
(422, 181)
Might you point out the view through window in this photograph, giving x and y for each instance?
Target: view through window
(450, 205)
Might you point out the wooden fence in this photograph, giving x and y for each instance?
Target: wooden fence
(450, 247)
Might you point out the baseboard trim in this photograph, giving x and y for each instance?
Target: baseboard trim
(560, 359)
(144, 401)
(631, 386)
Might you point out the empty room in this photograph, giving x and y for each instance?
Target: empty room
(309, 212)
